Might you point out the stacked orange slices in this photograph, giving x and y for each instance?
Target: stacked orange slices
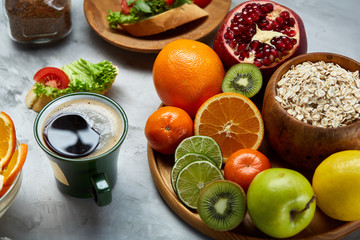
(12, 157)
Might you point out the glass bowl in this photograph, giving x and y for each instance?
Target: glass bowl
(8, 198)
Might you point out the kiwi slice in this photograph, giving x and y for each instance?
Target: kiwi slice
(222, 205)
(243, 78)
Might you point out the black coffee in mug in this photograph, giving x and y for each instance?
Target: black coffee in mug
(82, 128)
(70, 135)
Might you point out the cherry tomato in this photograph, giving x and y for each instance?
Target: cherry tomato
(202, 3)
(169, 2)
(125, 8)
(53, 77)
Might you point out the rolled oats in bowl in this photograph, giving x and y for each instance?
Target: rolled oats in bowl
(321, 94)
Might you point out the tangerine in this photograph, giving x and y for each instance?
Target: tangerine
(243, 165)
(186, 73)
(232, 120)
(167, 127)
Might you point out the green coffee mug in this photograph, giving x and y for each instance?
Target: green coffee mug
(93, 175)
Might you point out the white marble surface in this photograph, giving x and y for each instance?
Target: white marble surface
(40, 211)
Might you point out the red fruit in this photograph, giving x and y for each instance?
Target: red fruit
(202, 3)
(125, 8)
(264, 33)
(169, 2)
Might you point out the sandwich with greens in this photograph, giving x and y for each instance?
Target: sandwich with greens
(150, 17)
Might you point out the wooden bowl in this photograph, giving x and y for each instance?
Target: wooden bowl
(300, 144)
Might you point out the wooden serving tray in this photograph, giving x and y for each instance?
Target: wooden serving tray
(322, 227)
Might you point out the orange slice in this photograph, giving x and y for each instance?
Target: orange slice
(1, 182)
(232, 120)
(14, 167)
(7, 139)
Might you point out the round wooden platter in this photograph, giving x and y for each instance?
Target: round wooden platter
(322, 227)
(96, 12)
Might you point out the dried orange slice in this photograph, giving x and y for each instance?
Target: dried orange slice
(7, 139)
(232, 120)
(14, 167)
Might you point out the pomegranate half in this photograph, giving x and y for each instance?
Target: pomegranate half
(264, 33)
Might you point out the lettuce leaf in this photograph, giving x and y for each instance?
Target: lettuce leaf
(84, 77)
(142, 9)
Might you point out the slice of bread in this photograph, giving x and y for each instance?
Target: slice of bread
(165, 21)
(34, 102)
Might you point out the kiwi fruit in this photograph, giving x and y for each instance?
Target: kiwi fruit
(222, 205)
(243, 78)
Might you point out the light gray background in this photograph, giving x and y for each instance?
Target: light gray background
(40, 211)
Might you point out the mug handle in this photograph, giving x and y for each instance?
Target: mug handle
(101, 190)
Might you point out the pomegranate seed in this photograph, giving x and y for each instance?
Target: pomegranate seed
(266, 46)
(248, 6)
(293, 41)
(285, 15)
(263, 25)
(275, 25)
(274, 53)
(290, 33)
(242, 46)
(259, 55)
(280, 21)
(266, 61)
(233, 44)
(285, 27)
(254, 45)
(270, 6)
(258, 62)
(288, 46)
(244, 12)
(268, 27)
(236, 17)
(291, 22)
(249, 20)
(267, 52)
(280, 46)
(229, 35)
(254, 17)
(244, 54)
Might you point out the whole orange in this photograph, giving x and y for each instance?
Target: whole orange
(243, 165)
(186, 73)
(167, 127)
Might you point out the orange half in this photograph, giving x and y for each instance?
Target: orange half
(14, 167)
(7, 139)
(232, 120)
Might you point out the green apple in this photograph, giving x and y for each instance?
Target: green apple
(281, 202)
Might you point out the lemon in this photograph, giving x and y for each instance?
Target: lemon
(336, 183)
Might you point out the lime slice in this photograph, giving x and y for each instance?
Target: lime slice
(182, 162)
(200, 144)
(193, 178)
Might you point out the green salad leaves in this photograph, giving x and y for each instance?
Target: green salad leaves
(84, 77)
(140, 10)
